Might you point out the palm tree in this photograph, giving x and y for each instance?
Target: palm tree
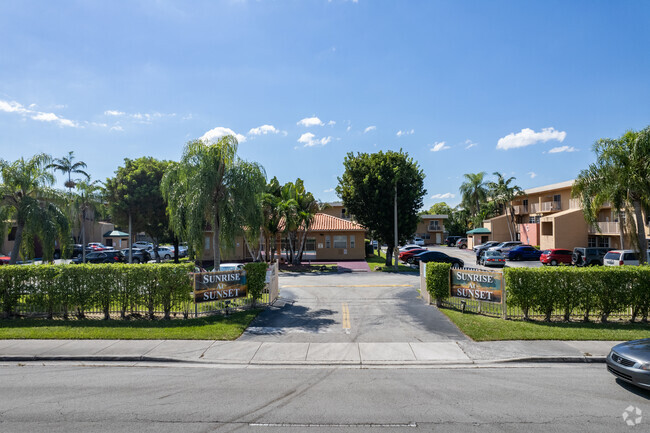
(212, 185)
(66, 166)
(89, 198)
(620, 175)
(27, 198)
(271, 216)
(503, 193)
(473, 192)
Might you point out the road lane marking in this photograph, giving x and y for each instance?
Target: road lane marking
(349, 285)
(345, 311)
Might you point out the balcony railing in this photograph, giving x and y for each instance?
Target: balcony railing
(551, 206)
(606, 228)
(574, 203)
(534, 207)
(436, 228)
(520, 210)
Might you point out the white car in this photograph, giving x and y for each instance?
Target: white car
(623, 257)
(165, 253)
(409, 247)
(142, 244)
(504, 247)
(230, 267)
(418, 241)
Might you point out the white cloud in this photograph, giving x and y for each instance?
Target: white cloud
(15, 107)
(469, 144)
(140, 117)
(445, 195)
(215, 134)
(309, 140)
(527, 136)
(563, 149)
(114, 113)
(331, 123)
(116, 128)
(532, 174)
(310, 121)
(348, 128)
(329, 190)
(438, 146)
(368, 129)
(405, 132)
(263, 130)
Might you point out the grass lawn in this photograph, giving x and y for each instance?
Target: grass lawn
(482, 328)
(202, 328)
(380, 262)
(314, 267)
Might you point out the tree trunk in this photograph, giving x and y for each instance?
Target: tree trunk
(640, 231)
(302, 242)
(248, 247)
(621, 228)
(176, 250)
(389, 255)
(215, 247)
(15, 251)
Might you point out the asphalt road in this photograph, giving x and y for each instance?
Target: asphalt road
(540, 398)
(469, 257)
(351, 307)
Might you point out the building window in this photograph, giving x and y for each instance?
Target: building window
(591, 242)
(327, 241)
(533, 219)
(557, 201)
(352, 240)
(434, 225)
(547, 229)
(603, 241)
(109, 242)
(207, 242)
(310, 244)
(344, 213)
(340, 241)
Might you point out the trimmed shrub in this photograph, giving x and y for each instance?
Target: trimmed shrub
(438, 275)
(255, 279)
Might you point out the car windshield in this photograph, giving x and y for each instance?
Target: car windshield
(612, 256)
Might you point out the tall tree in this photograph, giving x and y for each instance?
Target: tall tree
(135, 193)
(212, 185)
(621, 175)
(503, 192)
(474, 192)
(27, 198)
(66, 166)
(368, 189)
(441, 208)
(271, 199)
(89, 199)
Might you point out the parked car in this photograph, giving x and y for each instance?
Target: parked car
(451, 240)
(142, 244)
(523, 252)
(407, 256)
(96, 246)
(418, 241)
(437, 256)
(461, 243)
(630, 362)
(409, 247)
(485, 246)
(504, 247)
(623, 257)
(555, 256)
(139, 255)
(230, 267)
(107, 256)
(492, 258)
(589, 256)
(165, 253)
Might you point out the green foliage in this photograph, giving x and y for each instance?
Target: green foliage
(367, 188)
(605, 290)
(256, 279)
(441, 208)
(212, 186)
(438, 275)
(57, 288)
(135, 190)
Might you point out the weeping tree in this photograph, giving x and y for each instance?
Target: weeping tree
(212, 186)
(28, 200)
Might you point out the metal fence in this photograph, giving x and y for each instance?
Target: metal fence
(509, 311)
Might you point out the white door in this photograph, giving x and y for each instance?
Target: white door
(438, 238)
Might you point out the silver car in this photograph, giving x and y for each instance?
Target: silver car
(630, 362)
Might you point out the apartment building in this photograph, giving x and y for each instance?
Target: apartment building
(336, 209)
(547, 216)
(431, 229)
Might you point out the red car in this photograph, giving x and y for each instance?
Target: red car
(407, 256)
(556, 256)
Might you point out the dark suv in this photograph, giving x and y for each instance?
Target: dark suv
(451, 240)
(589, 256)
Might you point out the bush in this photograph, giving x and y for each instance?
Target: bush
(603, 289)
(255, 279)
(55, 289)
(438, 275)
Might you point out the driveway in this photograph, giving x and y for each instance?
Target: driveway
(351, 307)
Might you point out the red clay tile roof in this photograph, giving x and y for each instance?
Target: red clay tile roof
(328, 223)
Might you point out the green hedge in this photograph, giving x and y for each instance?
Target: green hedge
(438, 275)
(255, 279)
(601, 290)
(61, 289)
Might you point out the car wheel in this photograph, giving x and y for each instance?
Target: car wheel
(553, 262)
(136, 260)
(167, 257)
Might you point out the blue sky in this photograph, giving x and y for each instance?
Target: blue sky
(523, 88)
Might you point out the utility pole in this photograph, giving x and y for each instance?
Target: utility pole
(396, 248)
(130, 240)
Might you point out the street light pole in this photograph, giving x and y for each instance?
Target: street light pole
(396, 249)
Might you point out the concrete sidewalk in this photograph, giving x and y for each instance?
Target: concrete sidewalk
(296, 354)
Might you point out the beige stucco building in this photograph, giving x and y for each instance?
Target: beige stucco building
(548, 217)
(328, 238)
(431, 229)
